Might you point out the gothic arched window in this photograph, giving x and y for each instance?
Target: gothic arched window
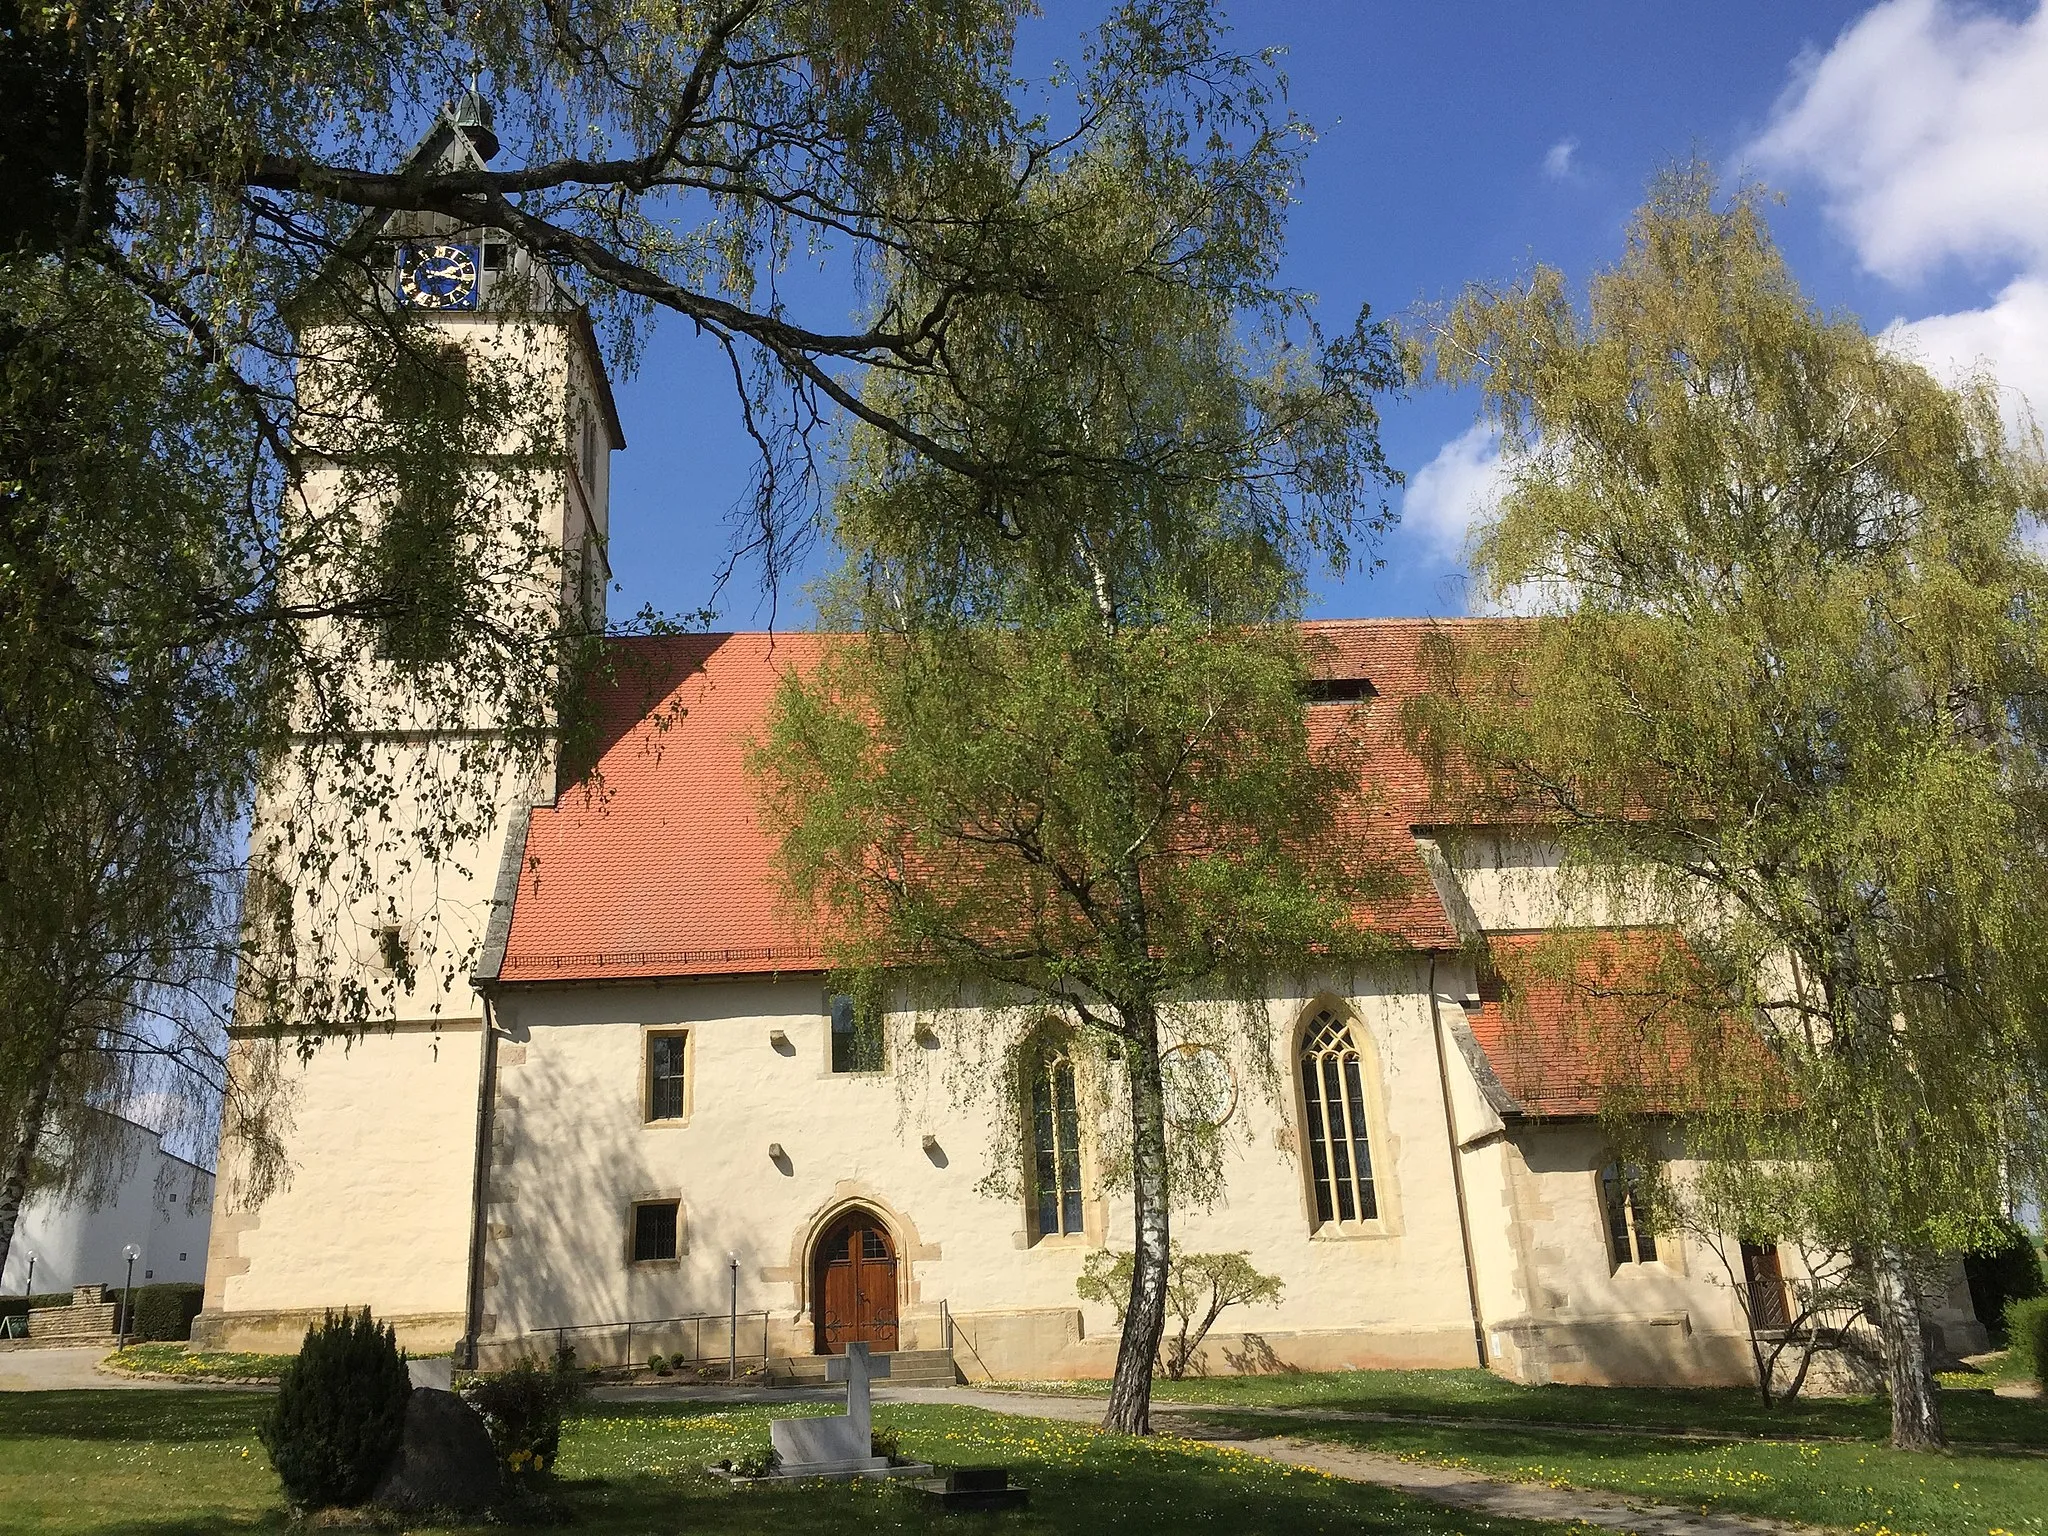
(1631, 1239)
(1055, 1144)
(1333, 1101)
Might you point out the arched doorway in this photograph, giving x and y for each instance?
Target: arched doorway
(853, 1284)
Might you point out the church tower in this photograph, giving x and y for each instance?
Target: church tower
(348, 1174)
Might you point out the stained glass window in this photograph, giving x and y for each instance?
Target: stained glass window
(1056, 1146)
(1333, 1099)
(1630, 1239)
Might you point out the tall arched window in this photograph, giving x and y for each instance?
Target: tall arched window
(1055, 1144)
(1333, 1099)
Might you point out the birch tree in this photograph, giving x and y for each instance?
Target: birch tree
(1784, 682)
(1065, 758)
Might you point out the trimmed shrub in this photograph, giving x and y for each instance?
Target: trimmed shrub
(2026, 1326)
(340, 1412)
(1999, 1275)
(523, 1409)
(658, 1363)
(164, 1313)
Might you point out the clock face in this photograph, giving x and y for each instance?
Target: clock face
(438, 276)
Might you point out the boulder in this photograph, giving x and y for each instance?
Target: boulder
(445, 1460)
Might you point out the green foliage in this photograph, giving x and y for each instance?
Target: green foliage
(2004, 1272)
(1199, 1287)
(763, 1462)
(347, 511)
(164, 1312)
(658, 1363)
(340, 1412)
(523, 1407)
(1064, 765)
(885, 1442)
(2026, 1334)
(1782, 688)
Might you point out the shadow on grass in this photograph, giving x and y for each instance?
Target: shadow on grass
(1079, 1481)
(170, 1414)
(1972, 1415)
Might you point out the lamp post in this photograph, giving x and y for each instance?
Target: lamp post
(131, 1253)
(732, 1358)
(30, 1288)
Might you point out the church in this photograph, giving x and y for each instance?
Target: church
(644, 1122)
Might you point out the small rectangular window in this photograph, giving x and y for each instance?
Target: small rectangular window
(856, 1036)
(665, 1076)
(654, 1230)
(495, 252)
(1340, 690)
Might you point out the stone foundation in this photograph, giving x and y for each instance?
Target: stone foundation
(281, 1333)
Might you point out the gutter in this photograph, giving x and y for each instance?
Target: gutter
(490, 960)
(1443, 1071)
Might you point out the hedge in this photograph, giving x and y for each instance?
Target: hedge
(2026, 1325)
(16, 1306)
(164, 1313)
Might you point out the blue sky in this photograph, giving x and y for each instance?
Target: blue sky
(1465, 141)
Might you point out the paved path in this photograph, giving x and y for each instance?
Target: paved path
(58, 1370)
(71, 1370)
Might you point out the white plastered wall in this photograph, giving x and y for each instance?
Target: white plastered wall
(376, 1210)
(571, 1152)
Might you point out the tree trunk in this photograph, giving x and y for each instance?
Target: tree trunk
(1130, 1394)
(1916, 1415)
(15, 1191)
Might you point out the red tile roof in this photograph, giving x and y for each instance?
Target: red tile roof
(657, 866)
(1570, 1031)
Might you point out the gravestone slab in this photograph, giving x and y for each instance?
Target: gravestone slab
(809, 1447)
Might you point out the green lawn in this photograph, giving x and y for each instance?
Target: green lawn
(1862, 1488)
(1972, 1415)
(174, 1463)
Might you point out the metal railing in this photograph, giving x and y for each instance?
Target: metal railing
(1777, 1306)
(703, 1339)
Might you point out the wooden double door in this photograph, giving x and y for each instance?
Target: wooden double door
(853, 1281)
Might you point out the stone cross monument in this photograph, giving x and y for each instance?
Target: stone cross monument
(843, 1444)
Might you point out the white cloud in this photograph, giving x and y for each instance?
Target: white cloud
(1452, 490)
(1926, 125)
(1557, 163)
(2010, 338)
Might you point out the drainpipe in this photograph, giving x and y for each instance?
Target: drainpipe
(480, 1189)
(1443, 1074)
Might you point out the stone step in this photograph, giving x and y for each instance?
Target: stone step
(907, 1368)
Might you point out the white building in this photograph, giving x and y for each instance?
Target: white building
(154, 1199)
